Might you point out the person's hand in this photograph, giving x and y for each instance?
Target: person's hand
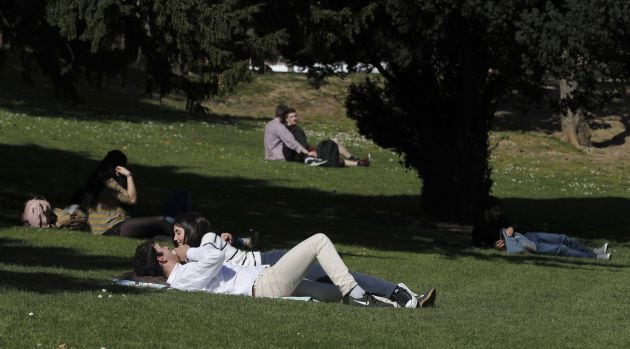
(181, 251)
(312, 153)
(123, 171)
(499, 244)
(227, 237)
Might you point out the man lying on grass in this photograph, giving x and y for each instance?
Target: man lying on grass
(194, 230)
(205, 270)
(547, 243)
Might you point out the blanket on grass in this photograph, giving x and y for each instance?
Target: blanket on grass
(159, 282)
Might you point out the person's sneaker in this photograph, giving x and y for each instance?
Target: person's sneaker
(364, 162)
(314, 161)
(604, 256)
(368, 300)
(427, 299)
(404, 297)
(601, 250)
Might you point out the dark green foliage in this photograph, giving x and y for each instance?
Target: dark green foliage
(583, 41)
(201, 48)
(440, 61)
(445, 66)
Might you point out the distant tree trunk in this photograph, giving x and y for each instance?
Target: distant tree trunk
(575, 129)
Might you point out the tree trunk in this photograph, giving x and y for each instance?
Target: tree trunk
(575, 129)
(456, 178)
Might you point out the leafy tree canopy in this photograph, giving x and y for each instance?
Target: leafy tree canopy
(199, 47)
(445, 66)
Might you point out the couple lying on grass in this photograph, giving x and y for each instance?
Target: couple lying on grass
(212, 265)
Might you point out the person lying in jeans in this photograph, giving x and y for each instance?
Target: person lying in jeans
(547, 243)
(204, 268)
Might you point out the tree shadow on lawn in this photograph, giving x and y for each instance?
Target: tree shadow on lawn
(51, 283)
(42, 282)
(586, 218)
(285, 216)
(20, 252)
(519, 115)
(546, 261)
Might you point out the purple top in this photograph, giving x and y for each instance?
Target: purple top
(277, 134)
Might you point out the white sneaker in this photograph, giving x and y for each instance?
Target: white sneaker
(311, 161)
(601, 250)
(603, 256)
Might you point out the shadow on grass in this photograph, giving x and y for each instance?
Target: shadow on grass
(20, 252)
(545, 261)
(586, 218)
(42, 282)
(284, 216)
(527, 116)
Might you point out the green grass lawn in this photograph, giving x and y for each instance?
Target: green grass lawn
(55, 285)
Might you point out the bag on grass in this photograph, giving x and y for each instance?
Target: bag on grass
(329, 150)
(38, 213)
(71, 217)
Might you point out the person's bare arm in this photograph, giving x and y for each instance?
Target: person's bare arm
(131, 185)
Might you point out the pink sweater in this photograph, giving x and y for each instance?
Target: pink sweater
(277, 134)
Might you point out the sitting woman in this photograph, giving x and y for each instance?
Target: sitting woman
(277, 136)
(547, 243)
(193, 230)
(110, 192)
(331, 150)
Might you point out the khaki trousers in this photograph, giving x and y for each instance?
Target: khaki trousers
(281, 279)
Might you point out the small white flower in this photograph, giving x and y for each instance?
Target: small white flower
(30, 314)
(103, 290)
(110, 296)
(100, 296)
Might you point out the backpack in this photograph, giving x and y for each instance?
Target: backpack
(38, 213)
(329, 150)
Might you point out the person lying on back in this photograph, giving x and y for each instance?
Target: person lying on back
(547, 243)
(204, 268)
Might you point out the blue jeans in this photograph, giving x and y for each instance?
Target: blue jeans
(559, 245)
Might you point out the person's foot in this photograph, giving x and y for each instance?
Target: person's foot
(427, 299)
(314, 161)
(604, 256)
(601, 250)
(404, 296)
(364, 162)
(367, 300)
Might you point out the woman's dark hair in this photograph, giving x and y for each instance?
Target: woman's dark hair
(195, 226)
(105, 170)
(145, 261)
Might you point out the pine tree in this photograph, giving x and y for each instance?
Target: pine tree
(201, 48)
(443, 67)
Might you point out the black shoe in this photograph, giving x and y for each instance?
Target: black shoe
(427, 299)
(367, 300)
(403, 296)
(364, 162)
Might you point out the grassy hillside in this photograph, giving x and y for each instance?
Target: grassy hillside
(55, 285)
